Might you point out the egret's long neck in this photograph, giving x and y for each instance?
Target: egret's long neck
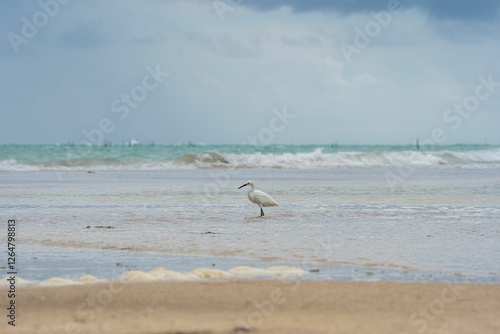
(252, 186)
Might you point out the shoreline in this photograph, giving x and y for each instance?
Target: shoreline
(256, 306)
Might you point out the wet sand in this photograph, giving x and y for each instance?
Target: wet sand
(256, 306)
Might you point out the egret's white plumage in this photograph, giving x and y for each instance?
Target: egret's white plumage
(259, 197)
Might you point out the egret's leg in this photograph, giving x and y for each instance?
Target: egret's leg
(261, 212)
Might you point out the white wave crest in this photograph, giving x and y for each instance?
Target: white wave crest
(11, 165)
(319, 159)
(316, 159)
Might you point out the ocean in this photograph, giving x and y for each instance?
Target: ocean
(135, 212)
(135, 156)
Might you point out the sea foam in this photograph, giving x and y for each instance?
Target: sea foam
(163, 274)
(290, 157)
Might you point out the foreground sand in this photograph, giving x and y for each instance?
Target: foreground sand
(257, 307)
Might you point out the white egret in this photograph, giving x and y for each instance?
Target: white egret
(259, 197)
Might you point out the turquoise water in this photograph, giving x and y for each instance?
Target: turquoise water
(158, 157)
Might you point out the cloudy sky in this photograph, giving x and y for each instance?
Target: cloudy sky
(216, 72)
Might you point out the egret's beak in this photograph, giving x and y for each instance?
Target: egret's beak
(246, 184)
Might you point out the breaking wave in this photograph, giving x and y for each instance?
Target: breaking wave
(315, 158)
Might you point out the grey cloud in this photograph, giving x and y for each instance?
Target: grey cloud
(462, 9)
(226, 45)
(306, 41)
(83, 35)
(457, 9)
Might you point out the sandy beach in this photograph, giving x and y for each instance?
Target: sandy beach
(257, 306)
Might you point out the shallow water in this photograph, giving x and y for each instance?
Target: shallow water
(344, 224)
